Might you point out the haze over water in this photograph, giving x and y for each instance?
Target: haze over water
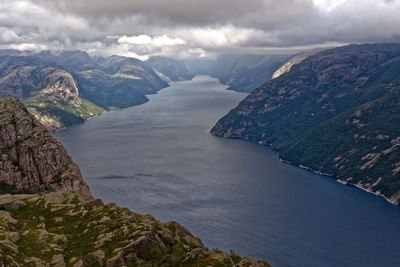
(159, 158)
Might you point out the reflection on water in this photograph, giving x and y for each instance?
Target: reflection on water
(159, 158)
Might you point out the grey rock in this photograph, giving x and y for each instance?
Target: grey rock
(58, 261)
(116, 261)
(32, 159)
(93, 203)
(98, 255)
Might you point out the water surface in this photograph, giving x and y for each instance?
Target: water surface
(159, 158)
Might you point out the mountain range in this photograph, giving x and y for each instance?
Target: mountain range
(62, 88)
(241, 72)
(336, 112)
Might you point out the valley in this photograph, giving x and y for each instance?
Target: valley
(159, 158)
(147, 133)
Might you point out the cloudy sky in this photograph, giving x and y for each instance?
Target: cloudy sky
(194, 28)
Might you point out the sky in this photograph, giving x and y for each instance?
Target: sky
(194, 28)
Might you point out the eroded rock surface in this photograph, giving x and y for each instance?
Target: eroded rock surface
(32, 159)
(82, 238)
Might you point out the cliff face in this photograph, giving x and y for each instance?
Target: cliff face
(335, 112)
(70, 228)
(59, 229)
(62, 88)
(296, 59)
(49, 92)
(31, 159)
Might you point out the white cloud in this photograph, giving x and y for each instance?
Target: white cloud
(8, 35)
(187, 28)
(328, 5)
(144, 39)
(28, 46)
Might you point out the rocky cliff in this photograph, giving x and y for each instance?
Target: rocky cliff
(336, 112)
(56, 222)
(64, 229)
(62, 88)
(31, 159)
(296, 59)
(49, 92)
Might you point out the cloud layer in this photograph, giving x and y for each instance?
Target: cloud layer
(192, 28)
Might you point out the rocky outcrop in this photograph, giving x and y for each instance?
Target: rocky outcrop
(296, 59)
(336, 112)
(72, 230)
(59, 104)
(49, 91)
(31, 159)
(68, 227)
(63, 88)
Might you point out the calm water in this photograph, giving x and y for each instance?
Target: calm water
(158, 158)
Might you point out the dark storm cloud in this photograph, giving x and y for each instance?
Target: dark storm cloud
(256, 13)
(194, 28)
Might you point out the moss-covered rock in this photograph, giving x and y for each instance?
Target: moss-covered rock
(61, 229)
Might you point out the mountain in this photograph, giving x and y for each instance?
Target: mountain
(246, 72)
(50, 93)
(242, 72)
(72, 60)
(118, 82)
(62, 88)
(57, 222)
(336, 112)
(170, 70)
(134, 69)
(296, 59)
(31, 159)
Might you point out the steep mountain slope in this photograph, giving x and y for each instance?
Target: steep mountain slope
(70, 228)
(62, 88)
(244, 73)
(60, 229)
(51, 93)
(31, 159)
(119, 82)
(360, 146)
(308, 113)
(23, 76)
(170, 70)
(72, 60)
(134, 69)
(296, 59)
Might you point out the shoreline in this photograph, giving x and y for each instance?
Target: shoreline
(340, 181)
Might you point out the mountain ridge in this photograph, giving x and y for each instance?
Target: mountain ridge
(298, 113)
(62, 88)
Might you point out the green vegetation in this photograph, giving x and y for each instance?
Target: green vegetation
(65, 113)
(75, 228)
(337, 112)
(9, 189)
(235, 257)
(370, 129)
